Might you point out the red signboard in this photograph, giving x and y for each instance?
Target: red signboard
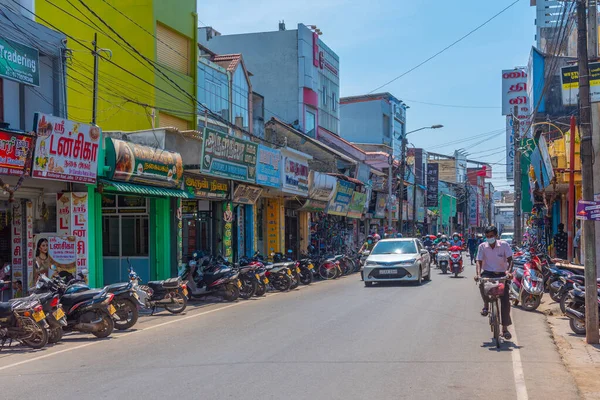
(13, 153)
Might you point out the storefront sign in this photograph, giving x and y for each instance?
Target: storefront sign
(63, 214)
(321, 186)
(29, 240)
(380, 205)
(432, 185)
(79, 228)
(227, 156)
(273, 225)
(65, 150)
(53, 250)
(13, 153)
(570, 83)
(314, 206)
(357, 205)
(588, 210)
(17, 243)
(268, 167)
(228, 230)
(19, 62)
(514, 91)
(206, 188)
(295, 175)
(341, 199)
(131, 162)
(246, 194)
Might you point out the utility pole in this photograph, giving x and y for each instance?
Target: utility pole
(402, 166)
(390, 178)
(95, 90)
(414, 202)
(517, 173)
(587, 174)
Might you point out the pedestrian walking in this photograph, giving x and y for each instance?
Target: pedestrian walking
(472, 244)
(577, 244)
(561, 241)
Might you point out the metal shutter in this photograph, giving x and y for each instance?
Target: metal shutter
(170, 121)
(172, 49)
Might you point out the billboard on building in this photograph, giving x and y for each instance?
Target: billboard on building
(570, 84)
(514, 91)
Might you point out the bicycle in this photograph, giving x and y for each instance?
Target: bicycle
(494, 290)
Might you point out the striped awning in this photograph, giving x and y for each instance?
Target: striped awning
(143, 190)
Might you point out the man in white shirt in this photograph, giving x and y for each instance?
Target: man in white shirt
(494, 260)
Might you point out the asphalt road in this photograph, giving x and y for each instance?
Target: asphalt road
(332, 340)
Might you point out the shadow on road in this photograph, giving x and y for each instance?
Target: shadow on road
(506, 345)
(397, 284)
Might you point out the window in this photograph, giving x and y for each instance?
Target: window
(172, 49)
(240, 102)
(386, 125)
(395, 247)
(310, 120)
(334, 101)
(324, 95)
(213, 90)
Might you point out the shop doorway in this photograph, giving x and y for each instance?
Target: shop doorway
(291, 232)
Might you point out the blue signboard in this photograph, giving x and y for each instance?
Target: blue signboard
(341, 199)
(268, 167)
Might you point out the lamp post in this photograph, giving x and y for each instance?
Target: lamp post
(402, 166)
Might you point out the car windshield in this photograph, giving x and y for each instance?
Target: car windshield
(395, 247)
(505, 236)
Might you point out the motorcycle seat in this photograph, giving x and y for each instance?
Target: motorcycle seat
(74, 298)
(5, 309)
(115, 287)
(170, 283)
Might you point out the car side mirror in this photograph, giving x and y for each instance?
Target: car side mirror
(424, 251)
(366, 252)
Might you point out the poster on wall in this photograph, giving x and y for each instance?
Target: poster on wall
(17, 248)
(131, 162)
(13, 153)
(340, 200)
(79, 229)
(63, 214)
(65, 150)
(432, 185)
(380, 205)
(357, 205)
(227, 156)
(246, 194)
(228, 230)
(52, 250)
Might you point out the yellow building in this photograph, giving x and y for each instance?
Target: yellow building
(147, 70)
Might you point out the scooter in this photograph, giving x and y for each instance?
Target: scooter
(527, 286)
(209, 276)
(443, 259)
(576, 309)
(456, 262)
(170, 294)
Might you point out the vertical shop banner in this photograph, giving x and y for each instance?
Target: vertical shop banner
(380, 205)
(338, 205)
(514, 91)
(179, 232)
(228, 230)
(65, 150)
(432, 185)
(268, 167)
(19, 62)
(473, 206)
(29, 240)
(63, 214)
(17, 243)
(273, 228)
(510, 148)
(79, 229)
(241, 231)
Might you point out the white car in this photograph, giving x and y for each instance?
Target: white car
(507, 237)
(403, 259)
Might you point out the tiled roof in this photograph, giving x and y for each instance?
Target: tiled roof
(228, 61)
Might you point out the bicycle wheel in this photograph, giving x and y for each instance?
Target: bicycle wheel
(495, 322)
(327, 273)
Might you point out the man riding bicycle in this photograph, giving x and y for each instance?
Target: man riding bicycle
(494, 260)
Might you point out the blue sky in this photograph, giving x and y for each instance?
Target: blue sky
(378, 40)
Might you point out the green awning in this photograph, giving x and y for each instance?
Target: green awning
(143, 190)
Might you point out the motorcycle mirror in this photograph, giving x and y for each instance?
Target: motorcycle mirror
(366, 252)
(7, 269)
(84, 271)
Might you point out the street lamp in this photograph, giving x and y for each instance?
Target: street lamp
(402, 166)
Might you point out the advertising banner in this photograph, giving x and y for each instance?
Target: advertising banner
(357, 205)
(228, 230)
(273, 225)
(63, 214)
(65, 150)
(17, 246)
(295, 175)
(314, 206)
(380, 205)
(268, 167)
(206, 187)
(338, 205)
(570, 84)
(246, 194)
(13, 153)
(19, 62)
(29, 238)
(52, 250)
(432, 185)
(79, 229)
(321, 186)
(514, 91)
(229, 157)
(473, 206)
(588, 210)
(131, 162)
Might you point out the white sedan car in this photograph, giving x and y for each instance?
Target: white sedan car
(404, 259)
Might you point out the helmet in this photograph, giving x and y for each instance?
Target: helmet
(370, 237)
(444, 238)
(398, 235)
(424, 237)
(376, 237)
(439, 235)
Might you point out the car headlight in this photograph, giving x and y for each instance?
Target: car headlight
(372, 263)
(411, 261)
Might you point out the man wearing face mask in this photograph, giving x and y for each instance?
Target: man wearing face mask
(456, 241)
(494, 260)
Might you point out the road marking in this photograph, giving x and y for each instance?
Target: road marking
(518, 374)
(145, 329)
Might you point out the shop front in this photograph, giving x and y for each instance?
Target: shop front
(138, 207)
(269, 175)
(245, 198)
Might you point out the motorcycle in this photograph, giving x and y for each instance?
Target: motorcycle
(210, 276)
(456, 262)
(279, 276)
(443, 258)
(248, 276)
(431, 251)
(24, 321)
(280, 261)
(527, 285)
(576, 309)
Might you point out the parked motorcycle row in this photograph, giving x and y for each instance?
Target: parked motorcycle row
(59, 303)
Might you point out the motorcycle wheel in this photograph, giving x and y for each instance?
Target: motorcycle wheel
(232, 292)
(177, 295)
(109, 326)
(306, 277)
(456, 274)
(295, 281)
(282, 283)
(248, 288)
(563, 302)
(554, 294)
(444, 268)
(38, 340)
(127, 312)
(531, 303)
(577, 327)
(261, 289)
(55, 335)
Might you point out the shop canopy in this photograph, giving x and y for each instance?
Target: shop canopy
(143, 190)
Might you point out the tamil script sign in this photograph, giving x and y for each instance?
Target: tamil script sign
(432, 185)
(570, 84)
(19, 62)
(13, 153)
(514, 91)
(227, 156)
(588, 210)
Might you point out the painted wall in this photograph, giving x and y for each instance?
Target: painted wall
(362, 122)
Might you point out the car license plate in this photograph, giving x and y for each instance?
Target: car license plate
(387, 271)
(185, 291)
(310, 266)
(38, 316)
(239, 283)
(266, 281)
(58, 314)
(111, 309)
(257, 276)
(298, 270)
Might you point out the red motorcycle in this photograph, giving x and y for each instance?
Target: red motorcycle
(456, 262)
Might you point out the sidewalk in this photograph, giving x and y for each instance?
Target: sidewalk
(582, 360)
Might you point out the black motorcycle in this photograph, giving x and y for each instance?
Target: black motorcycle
(279, 260)
(575, 310)
(211, 276)
(23, 320)
(55, 315)
(249, 277)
